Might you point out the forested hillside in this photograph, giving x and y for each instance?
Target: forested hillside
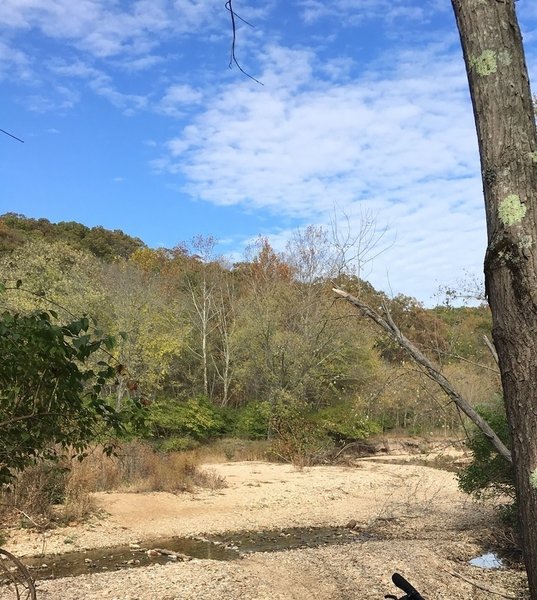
(256, 349)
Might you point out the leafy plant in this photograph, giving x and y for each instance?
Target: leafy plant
(253, 421)
(489, 474)
(297, 437)
(344, 423)
(196, 418)
(51, 390)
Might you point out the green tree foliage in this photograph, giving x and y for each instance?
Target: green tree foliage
(297, 438)
(194, 419)
(242, 336)
(345, 423)
(289, 335)
(147, 314)
(423, 327)
(489, 474)
(464, 328)
(54, 274)
(106, 245)
(51, 389)
(252, 421)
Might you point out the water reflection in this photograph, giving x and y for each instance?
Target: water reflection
(487, 561)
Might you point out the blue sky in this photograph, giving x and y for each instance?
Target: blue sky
(132, 120)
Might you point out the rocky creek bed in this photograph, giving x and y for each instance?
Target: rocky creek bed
(386, 518)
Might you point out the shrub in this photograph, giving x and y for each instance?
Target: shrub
(178, 443)
(253, 421)
(344, 423)
(297, 437)
(197, 418)
(50, 390)
(489, 474)
(36, 489)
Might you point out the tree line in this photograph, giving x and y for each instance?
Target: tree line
(238, 344)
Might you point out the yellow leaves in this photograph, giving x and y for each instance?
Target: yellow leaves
(149, 260)
(53, 272)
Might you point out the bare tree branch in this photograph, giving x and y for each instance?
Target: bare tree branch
(12, 420)
(12, 136)
(492, 349)
(428, 367)
(233, 58)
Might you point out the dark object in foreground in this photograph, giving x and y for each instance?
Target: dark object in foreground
(411, 593)
(15, 577)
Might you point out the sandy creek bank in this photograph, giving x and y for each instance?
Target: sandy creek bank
(417, 521)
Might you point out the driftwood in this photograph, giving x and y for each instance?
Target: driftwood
(386, 322)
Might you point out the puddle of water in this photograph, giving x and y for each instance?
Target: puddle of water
(487, 561)
(115, 558)
(214, 547)
(289, 539)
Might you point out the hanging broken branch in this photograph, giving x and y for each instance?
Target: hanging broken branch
(386, 322)
(233, 58)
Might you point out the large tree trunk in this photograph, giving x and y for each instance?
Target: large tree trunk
(505, 123)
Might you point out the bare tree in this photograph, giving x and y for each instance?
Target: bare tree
(225, 322)
(202, 295)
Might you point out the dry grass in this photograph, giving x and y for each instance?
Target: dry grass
(233, 449)
(137, 467)
(61, 492)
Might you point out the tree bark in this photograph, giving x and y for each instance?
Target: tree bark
(505, 122)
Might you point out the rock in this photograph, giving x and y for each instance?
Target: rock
(351, 524)
(183, 557)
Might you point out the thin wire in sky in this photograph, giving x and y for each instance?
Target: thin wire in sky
(13, 136)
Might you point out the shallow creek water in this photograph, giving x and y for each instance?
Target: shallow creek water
(490, 560)
(215, 547)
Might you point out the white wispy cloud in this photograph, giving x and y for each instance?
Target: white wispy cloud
(401, 142)
(106, 29)
(351, 12)
(14, 63)
(100, 83)
(58, 98)
(177, 97)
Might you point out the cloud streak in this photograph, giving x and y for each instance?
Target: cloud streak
(107, 29)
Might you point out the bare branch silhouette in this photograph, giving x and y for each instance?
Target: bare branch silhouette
(233, 58)
(13, 136)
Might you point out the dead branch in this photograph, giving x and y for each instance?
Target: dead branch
(233, 58)
(428, 367)
(492, 349)
(12, 136)
(481, 587)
